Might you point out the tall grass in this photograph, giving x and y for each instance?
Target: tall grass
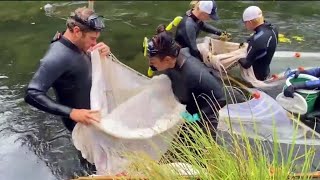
(228, 156)
(232, 157)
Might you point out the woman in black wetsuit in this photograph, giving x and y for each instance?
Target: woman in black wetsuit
(193, 22)
(192, 82)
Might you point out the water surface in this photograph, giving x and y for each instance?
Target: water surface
(35, 145)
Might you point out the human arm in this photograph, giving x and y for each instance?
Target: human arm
(50, 69)
(190, 38)
(210, 29)
(256, 50)
(310, 85)
(313, 72)
(36, 93)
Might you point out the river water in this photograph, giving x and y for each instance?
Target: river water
(35, 145)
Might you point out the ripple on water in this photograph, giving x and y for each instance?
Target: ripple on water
(33, 140)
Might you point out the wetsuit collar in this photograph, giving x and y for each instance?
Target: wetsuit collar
(260, 27)
(59, 37)
(181, 59)
(69, 44)
(194, 18)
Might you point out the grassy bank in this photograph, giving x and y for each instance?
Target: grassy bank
(229, 155)
(239, 157)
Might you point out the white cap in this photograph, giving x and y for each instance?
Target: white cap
(209, 7)
(252, 12)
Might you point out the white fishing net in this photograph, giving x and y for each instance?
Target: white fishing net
(138, 115)
(223, 56)
(265, 119)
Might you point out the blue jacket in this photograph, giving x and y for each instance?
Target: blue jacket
(315, 83)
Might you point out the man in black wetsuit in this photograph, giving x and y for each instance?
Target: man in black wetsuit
(192, 82)
(66, 67)
(262, 44)
(193, 22)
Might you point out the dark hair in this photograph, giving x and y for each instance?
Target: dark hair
(164, 42)
(161, 28)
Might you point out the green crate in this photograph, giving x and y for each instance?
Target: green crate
(310, 97)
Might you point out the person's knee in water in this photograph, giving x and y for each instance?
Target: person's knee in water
(66, 67)
(262, 44)
(192, 82)
(193, 22)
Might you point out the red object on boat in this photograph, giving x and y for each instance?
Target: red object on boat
(275, 76)
(256, 95)
(301, 68)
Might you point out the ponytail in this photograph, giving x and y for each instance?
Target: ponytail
(161, 28)
(165, 43)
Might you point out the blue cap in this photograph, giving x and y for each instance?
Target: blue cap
(214, 12)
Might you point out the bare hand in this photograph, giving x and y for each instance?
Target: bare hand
(103, 49)
(85, 116)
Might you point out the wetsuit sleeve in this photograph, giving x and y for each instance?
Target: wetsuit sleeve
(313, 72)
(36, 95)
(256, 50)
(315, 84)
(210, 29)
(190, 40)
(310, 85)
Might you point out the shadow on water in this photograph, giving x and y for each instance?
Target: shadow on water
(34, 145)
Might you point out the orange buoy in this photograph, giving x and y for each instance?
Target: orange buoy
(297, 55)
(300, 68)
(275, 76)
(256, 95)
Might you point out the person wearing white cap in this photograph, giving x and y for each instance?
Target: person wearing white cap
(193, 22)
(262, 44)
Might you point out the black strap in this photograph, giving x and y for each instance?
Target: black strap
(57, 36)
(194, 18)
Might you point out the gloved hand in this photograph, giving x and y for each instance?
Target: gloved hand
(190, 118)
(225, 36)
(288, 92)
(241, 45)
